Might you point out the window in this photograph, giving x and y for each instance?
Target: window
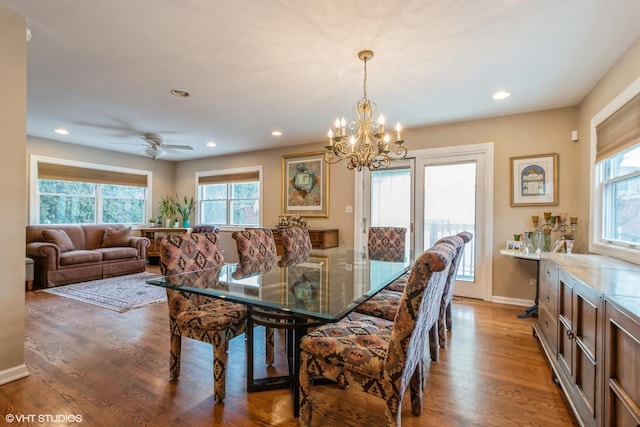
(619, 177)
(73, 193)
(230, 198)
(615, 209)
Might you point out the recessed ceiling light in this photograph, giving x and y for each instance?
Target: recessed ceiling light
(501, 94)
(276, 133)
(211, 144)
(61, 131)
(180, 93)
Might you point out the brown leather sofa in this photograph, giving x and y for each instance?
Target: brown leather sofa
(65, 254)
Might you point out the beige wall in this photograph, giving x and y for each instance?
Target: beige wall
(341, 186)
(13, 111)
(163, 171)
(517, 135)
(621, 75)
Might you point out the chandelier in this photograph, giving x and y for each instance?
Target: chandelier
(364, 142)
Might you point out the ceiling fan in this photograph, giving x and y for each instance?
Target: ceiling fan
(157, 148)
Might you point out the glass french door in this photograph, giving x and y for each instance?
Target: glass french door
(388, 199)
(440, 192)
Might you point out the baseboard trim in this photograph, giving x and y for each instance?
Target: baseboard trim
(512, 301)
(13, 374)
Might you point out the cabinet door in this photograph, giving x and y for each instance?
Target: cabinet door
(586, 317)
(622, 367)
(579, 346)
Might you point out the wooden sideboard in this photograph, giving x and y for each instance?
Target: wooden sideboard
(153, 234)
(589, 329)
(321, 238)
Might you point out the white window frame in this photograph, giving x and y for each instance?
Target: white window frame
(247, 169)
(597, 244)
(34, 199)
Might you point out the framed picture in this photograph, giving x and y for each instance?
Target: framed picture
(308, 284)
(534, 180)
(305, 185)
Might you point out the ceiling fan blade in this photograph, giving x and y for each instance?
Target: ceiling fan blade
(177, 147)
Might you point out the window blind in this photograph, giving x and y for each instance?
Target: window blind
(619, 131)
(232, 177)
(97, 176)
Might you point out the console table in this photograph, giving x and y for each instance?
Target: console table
(153, 251)
(321, 238)
(533, 310)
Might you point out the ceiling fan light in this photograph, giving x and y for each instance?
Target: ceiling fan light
(155, 153)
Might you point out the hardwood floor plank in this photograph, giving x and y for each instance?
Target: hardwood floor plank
(112, 368)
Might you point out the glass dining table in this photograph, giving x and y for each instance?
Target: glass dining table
(292, 294)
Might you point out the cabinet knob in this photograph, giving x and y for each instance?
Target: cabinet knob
(570, 334)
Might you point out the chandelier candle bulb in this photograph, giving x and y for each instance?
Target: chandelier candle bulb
(343, 126)
(381, 124)
(330, 135)
(398, 132)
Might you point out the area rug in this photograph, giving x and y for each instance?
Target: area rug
(119, 294)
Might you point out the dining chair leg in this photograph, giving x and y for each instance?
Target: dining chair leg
(305, 404)
(174, 362)
(415, 390)
(220, 356)
(433, 342)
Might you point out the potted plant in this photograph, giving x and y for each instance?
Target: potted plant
(167, 209)
(185, 208)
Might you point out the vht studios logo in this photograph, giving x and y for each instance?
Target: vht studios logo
(43, 418)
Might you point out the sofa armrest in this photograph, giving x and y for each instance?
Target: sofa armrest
(141, 244)
(48, 251)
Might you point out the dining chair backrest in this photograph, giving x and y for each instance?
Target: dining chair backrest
(296, 240)
(417, 313)
(386, 243)
(255, 246)
(180, 253)
(205, 228)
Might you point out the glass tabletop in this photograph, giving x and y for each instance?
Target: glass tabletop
(325, 285)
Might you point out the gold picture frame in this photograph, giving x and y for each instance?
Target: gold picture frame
(305, 185)
(534, 180)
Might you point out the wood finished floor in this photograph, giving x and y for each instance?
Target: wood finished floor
(112, 368)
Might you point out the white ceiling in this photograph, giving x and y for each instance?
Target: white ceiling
(104, 69)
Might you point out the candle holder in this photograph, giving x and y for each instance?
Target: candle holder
(555, 223)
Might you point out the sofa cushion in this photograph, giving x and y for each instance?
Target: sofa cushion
(59, 238)
(116, 237)
(80, 257)
(109, 254)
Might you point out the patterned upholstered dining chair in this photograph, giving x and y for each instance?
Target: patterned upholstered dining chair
(257, 250)
(386, 243)
(377, 356)
(199, 317)
(296, 240)
(445, 321)
(385, 303)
